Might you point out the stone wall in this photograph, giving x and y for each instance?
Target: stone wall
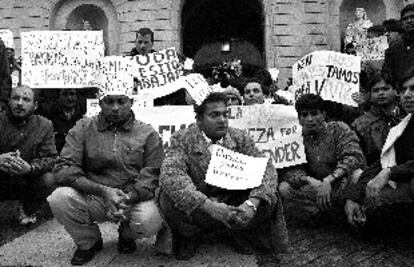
(292, 28)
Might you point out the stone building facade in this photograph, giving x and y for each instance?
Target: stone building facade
(285, 30)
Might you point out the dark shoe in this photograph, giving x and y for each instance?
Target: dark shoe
(125, 245)
(241, 245)
(186, 247)
(81, 256)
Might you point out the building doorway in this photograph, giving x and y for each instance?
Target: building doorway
(215, 30)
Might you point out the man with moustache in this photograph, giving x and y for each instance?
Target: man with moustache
(108, 170)
(27, 154)
(391, 179)
(252, 219)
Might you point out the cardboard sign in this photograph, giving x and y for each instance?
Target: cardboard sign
(274, 128)
(156, 72)
(332, 75)
(373, 48)
(197, 86)
(7, 37)
(61, 59)
(234, 171)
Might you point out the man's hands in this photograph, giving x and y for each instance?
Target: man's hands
(220, 211)
(355, 214)
(244, 217)
(116, 202)
(12, 164)
(323, 191)
(375, 186)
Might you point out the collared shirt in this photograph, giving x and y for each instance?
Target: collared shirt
(127, 157)
(34, 139)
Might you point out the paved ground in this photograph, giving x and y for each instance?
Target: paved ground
(390, 244)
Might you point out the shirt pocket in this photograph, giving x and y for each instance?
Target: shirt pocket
(134, 156)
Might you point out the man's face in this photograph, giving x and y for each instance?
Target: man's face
(214, 122)
(22, 102)
(232, 100)
(116, 108)
(407, 95)
(382, 94)
(10, 53)
(253, 94)
(393, 37)
(407, 21)
(359, 13)
(143, 44)
(68, 98)
(312, 121)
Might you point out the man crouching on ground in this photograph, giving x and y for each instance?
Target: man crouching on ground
(109, 170)
(193, 207)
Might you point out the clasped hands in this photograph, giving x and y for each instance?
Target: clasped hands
(117, 203)
(228, 214)
(12, 164)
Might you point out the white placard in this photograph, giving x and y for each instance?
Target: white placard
(7, 37)
(373, 48)
(61, 59)
(116, 76)
(234, 171)
(332, 75)
(197, 86)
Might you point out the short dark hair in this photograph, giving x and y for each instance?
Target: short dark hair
(407, 75)
(377, 30)
(145, 31)
(393, 25)
(309, 102)
(376, 77)
(265, 89)
(211, 98)
(407, 8)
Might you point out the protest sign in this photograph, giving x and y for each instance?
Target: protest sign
(197, 86)
(116, 76)
(156, 72)
(332, 75)
(92, 107)
(274, 128)
(372, 48)
(234, 171)
(7, 37)
(61, 59)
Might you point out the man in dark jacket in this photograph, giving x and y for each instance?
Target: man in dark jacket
(391, 179)
(27, 154)
(400, 56)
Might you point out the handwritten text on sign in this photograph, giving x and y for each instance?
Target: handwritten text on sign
(332, 75)
(61, 59)
(156, 70)
(234, 171)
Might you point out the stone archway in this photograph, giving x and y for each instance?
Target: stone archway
(100, 14)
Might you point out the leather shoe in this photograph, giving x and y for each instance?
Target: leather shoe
(125, 245)
(186, 247)
(82, 256)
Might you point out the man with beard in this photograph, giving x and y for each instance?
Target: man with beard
(373, 127)
(252, 219)
(64, 113)
(108, 170)
(143, 42)
(391, 179)
(400, 57)
(334, 158)
(27, 154)
(253, 92)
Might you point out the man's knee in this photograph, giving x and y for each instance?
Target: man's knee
(61, 199)
(285, 190)
(145, 219)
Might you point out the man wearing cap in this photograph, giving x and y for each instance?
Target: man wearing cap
(108, 171)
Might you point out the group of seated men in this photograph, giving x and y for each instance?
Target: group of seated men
(113, 168)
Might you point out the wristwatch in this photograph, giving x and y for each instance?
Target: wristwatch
(250, 204)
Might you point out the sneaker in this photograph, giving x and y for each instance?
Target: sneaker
(25, 219)
(125, 245)
(82, 256)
